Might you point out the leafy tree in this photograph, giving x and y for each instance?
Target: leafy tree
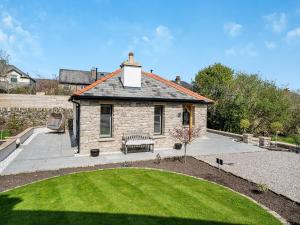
(245, 124)
(4, 62)
(241, 95)
(215, 82)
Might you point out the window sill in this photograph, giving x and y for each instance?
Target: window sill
(159, 136)
(106, 139)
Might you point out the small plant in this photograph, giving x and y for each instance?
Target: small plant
(244, 125)
(185, 135)
(276, 128)
(158, 158)
(262, 188)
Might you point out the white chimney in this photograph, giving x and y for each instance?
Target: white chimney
(131, 72)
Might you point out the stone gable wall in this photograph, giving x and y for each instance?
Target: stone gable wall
(131, 117)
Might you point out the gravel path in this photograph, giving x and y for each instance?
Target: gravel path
(279, 170)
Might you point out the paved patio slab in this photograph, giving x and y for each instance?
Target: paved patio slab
(46, 150)
(279, 170)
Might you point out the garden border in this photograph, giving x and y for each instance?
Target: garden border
(273, 213)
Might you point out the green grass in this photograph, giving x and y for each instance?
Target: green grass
(128, 196)
(286, 139)
(4, 134)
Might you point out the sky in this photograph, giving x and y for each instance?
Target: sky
(171, 37)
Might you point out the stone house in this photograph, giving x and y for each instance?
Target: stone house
(130, 100)
(73, 80)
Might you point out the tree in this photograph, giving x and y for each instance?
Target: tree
(245, 124)
(215, 82)
(276, 128)
(185, 135)
(4, 63)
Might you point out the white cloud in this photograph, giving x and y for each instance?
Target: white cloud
(3, 36)
(270, 44)
(233, 29)
(293, 35)
(16, 40)
(247, 50)
(145, 39)
(163, 32)
(151, 42)
(7, 21)
(276, 21)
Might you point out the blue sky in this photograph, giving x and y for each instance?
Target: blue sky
(171, 37)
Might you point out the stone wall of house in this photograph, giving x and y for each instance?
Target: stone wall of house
(131, 117)
(33, 110)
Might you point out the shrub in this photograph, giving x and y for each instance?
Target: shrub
(262, 188)
(244, 124)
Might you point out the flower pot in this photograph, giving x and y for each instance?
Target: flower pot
(95, 152)
(178, 146)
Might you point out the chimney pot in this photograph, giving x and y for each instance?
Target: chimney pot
(178, 79)
(131, 57)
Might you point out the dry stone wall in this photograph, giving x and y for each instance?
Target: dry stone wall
(33, 110)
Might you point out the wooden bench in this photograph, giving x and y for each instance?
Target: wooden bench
(137, 141)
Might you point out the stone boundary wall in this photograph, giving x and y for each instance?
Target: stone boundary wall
(32, 117)
(287, 146)
(34, 101)
(33, 110)
(224, 133)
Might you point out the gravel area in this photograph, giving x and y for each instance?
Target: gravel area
(279, 170)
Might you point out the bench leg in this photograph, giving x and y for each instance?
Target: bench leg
(125, 150)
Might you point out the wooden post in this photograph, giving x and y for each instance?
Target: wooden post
(189, 108)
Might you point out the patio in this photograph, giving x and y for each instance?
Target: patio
(46, 150)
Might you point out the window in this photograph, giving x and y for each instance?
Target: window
(106, 121)
(185, 117)
(14, 79)
(158, 119)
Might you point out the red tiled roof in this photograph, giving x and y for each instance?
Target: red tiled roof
(151, 75)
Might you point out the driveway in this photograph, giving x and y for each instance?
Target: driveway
(279, 170)
(46, 150)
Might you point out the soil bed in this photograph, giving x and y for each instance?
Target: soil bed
(285, 207)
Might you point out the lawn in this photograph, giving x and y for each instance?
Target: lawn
(286, 139)
(128, 196)
(4, 134)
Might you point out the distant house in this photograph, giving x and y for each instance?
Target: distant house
(16, 78)
(131, 101)
(74, 80)
(183, 83)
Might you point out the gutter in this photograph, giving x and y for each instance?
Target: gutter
(78, 125)
(78, 97)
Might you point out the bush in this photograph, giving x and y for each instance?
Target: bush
(244, 124)
(262, 188)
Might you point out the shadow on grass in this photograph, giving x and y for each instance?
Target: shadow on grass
(9, 215)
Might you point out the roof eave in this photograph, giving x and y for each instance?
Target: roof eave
(91, 97)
